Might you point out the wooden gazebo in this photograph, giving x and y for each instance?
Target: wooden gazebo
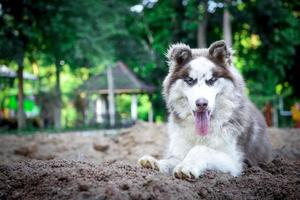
(117, 79)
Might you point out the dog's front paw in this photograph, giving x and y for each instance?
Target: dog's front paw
(186, 171)
(148, 162)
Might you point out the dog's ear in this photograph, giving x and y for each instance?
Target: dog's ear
(179, 54)
(220, 53)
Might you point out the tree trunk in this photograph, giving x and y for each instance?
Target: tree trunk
(227, 26)
(178, 34)
(21, 114)
(202, 24)
(57, 110)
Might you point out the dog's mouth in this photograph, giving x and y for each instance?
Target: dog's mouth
(202, 120)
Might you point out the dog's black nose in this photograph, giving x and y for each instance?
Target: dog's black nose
(201, 103)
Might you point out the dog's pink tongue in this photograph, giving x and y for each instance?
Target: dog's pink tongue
(202, 122)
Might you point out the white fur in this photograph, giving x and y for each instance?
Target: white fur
(200, 70)
(189, 154)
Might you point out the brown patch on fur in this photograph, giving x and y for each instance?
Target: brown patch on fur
(222, 72)
(180, 72)
(180, 54)
(218, 52)
(183, 57)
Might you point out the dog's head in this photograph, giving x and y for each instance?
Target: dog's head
(195, 81)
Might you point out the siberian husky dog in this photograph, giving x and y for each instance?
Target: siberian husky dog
(212, 123)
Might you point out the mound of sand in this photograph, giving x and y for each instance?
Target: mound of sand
(60, 179)
(102, 165)
(126, 144)
(90, 146)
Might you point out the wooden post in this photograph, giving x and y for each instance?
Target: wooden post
(92, 111)
(111, 98)
(134, 107)
(150, 113)
(227, 25)
(101, 109)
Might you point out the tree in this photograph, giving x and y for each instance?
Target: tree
(58, 26)
(18, 36)
(265, 53)
(156, 27)
(82, 39)
(267, 50)
(85, 33)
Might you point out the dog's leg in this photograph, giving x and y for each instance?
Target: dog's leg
(201, 158)
(165, 165)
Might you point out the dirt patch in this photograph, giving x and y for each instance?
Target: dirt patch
(126, 144)
(59, 179)
(286, 142)
(26, 150)
(102, 165)
(90, 146)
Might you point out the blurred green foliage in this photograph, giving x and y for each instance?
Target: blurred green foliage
(79, 38)
(266, 36)
(266, 41)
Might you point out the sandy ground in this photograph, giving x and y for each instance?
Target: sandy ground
(102, 165)
(90, 146)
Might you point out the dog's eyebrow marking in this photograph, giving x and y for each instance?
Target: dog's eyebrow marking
(220, 72)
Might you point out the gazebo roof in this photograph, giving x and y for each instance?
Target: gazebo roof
(125, 81)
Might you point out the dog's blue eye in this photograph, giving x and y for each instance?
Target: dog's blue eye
(190, 81)
(211, 81)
